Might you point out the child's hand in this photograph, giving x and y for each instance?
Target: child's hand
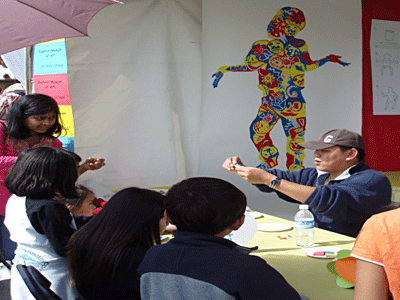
(94, 163)
(91, 164)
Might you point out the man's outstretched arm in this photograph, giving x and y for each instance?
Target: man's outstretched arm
(293, 190)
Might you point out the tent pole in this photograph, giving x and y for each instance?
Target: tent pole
(29, 69)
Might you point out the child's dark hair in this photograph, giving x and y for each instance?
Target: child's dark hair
(83, 193)
(40, 172)
(204, 205)
(28, 105)
(130, 218)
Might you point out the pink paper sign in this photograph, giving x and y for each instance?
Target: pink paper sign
(54, 85)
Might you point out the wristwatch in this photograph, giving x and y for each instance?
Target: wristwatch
(275, 182)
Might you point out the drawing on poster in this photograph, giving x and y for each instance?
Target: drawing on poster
(390, 98)
(389, 42)
(385, 52)
(281, 63)
(386, 63)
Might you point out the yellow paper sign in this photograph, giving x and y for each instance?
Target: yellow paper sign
(67, 120)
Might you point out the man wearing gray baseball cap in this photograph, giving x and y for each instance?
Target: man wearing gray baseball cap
(342, 192)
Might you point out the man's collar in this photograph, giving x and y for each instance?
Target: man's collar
(344, 175)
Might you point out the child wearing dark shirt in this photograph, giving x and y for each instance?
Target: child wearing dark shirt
(199, 262)
(42, 181)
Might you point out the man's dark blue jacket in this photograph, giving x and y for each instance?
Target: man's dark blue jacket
(343, 205)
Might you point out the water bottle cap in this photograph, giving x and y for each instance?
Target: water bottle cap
(303, 206)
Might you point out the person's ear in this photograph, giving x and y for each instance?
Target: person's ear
(239, 222)
(71, 209)
(353, 152)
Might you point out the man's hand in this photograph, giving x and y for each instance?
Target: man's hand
(250, 174)
(254, 175)
(231, 163)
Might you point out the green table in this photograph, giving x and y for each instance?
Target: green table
(308, 275)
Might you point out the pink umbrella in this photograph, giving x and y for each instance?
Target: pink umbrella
(28, 22)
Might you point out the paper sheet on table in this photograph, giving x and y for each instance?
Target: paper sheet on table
(245, 233)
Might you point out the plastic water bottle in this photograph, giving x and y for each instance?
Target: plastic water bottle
(304, 226)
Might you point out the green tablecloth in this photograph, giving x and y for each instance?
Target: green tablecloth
(308, 275)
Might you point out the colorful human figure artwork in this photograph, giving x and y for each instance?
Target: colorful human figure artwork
(281, 63)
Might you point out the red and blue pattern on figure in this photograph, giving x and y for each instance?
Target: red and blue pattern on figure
(281, 64)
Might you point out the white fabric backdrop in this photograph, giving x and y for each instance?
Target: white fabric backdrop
(135, 91)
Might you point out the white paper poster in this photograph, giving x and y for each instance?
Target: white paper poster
(16, 62)
(385, 61)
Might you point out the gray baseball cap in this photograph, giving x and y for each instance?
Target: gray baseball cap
(336, 137)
